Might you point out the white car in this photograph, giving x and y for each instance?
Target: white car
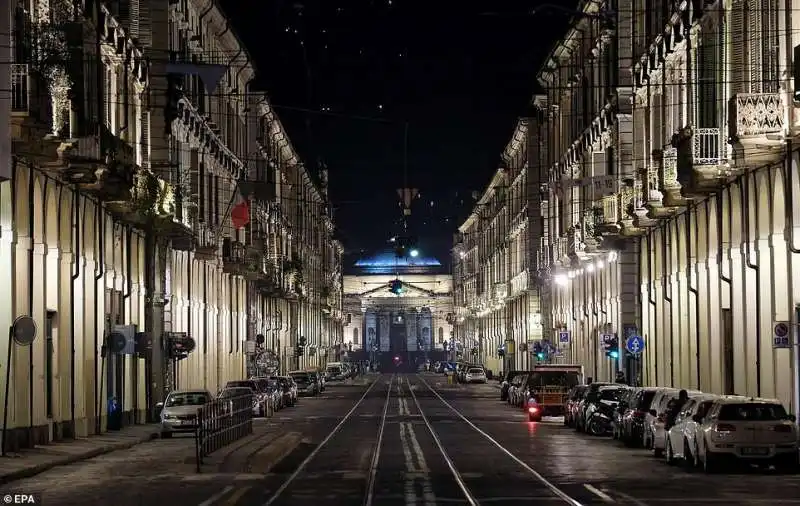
(475, 375)
(681, 442)
(753, 430)
(658, 424)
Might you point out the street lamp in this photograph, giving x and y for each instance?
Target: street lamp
(414, 253)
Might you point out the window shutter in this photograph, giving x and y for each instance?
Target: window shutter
(740, 35)
(768, 45)
(753, 38)
(708, 79)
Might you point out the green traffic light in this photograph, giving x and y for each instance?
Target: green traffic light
(613, 354)
(540, 356)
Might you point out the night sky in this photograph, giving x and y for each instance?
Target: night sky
(347, 75)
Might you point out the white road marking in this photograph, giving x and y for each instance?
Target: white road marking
(553, 488)
(277, 494)
(216, 497)
(599, 493)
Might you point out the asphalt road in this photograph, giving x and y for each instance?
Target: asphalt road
(324, 452)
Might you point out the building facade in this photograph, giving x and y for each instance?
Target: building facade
(668, 177)
(158, 227)
(411, 320)
(496, 296)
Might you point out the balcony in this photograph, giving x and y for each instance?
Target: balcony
(520, 283)
(28, 109)
(576, 245)
(560, 250)
(758, 128)
(607, 218)
(234, 256)
(634, 220)
(206, 242)
(701, 162)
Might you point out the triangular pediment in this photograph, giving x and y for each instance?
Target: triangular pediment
(409, 291)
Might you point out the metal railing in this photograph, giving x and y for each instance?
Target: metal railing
(220, 423)
(20, 87)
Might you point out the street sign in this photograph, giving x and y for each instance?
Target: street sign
(607, 339)
(635, 344)
(563, 336)
(781, 335)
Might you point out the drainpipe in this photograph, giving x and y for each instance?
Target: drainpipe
(99, 272)
(693, 291)
(125, 297)
(789, 188)
(188, 317)
(720, 209)
(76, 274)
(668, 299)
(744, 190)
(651, 300)
(205, 319)
(31, 231)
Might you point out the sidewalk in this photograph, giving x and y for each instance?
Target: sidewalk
(257, 453)
(33, 461)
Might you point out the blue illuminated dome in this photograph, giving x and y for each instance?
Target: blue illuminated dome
(387, 261)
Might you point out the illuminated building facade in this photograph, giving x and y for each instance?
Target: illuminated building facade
(496, 296)
(397, 307)
(157, 221)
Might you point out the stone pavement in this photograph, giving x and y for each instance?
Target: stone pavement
(31, 462)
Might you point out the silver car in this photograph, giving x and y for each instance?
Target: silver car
(179, 411)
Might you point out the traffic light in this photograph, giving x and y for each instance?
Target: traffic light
(301, 341)
(396, 287)
(612, 348)
(300, 351)
(143, 343)
(539, 351)
(178, 345)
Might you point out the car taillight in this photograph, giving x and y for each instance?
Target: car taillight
(533, 409)
(725, 427)
(639, 414)
(783, 428)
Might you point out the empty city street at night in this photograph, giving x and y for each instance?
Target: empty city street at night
(439, 444)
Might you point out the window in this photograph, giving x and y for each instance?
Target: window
(355, 336)
(441, 334)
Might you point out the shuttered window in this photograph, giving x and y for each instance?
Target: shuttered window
(709, 79)
(754, 46)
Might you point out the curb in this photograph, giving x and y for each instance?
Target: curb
(72, 459)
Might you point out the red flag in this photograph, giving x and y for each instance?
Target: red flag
(240, 214)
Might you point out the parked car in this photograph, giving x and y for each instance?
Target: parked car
(261, 399)
(754, 431)
(306, 383)
(179, 411)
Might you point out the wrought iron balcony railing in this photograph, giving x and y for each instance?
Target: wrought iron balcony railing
(20, 88)
(708, 146)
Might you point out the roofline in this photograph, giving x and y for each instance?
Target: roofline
(487, 193)
(517, 139)
(565, 44)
